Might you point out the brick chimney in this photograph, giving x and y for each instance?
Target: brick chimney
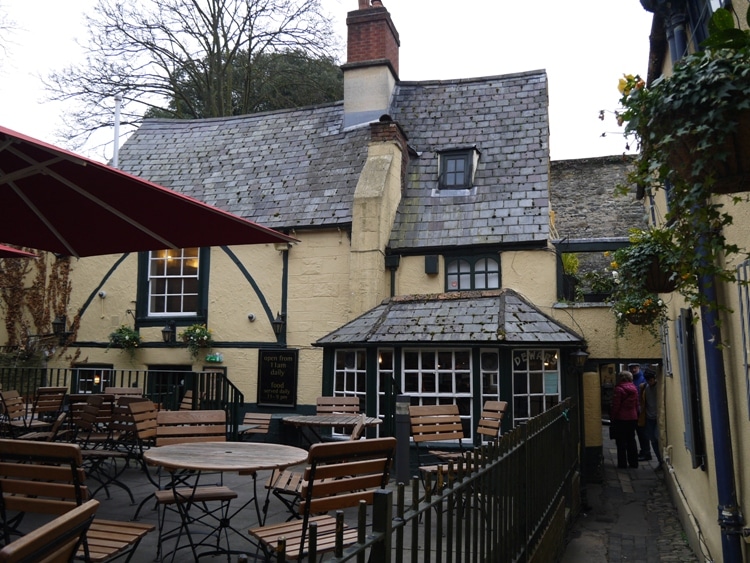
(371, 69)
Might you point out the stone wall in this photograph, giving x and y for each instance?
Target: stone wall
(583, 199)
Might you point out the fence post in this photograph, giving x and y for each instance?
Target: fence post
(382, 523)
(403, 430)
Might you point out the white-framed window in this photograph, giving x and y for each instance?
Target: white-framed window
(350, 378)
(480, 272)
(536, 382)
(743, 281)
(173, 282)
(489, 366)
(440, 377)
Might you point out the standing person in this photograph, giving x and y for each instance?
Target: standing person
(651, 407)
(624, 417)
(638, 380)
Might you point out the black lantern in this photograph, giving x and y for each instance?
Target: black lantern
(579, 357)
(168, 333)
(58, 328)
(279, 323)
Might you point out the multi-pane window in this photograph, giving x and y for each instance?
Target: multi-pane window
(455, 170)
(350, 378)
(536, 382)
(489, 366)
(173, 283)
(439, 377)
(472, 273)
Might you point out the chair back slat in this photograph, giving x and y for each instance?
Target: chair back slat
(337, 405)
(55, 541)
(435, 423)
(340, 474)
(40, 477)
(124, 391)
(490, 423)
(180, 427)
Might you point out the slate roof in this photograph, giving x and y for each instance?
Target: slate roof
(506, 118)
(297, 169)
(476, 317)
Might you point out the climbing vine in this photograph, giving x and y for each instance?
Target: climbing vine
(32, 292)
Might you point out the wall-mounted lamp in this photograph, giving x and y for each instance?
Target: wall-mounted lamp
(169, 333)
(578, 358)
(97, 380)
(59, 329)
(279, 323)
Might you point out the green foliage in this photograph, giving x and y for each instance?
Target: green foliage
(272, 81)
(682, 125)
(631, 265)
(126, 338)
(599, 281)
(197, 337)
(570, 263)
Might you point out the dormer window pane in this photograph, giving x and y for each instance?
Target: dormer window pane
(455, 170)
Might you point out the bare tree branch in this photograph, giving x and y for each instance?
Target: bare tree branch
(183, 58)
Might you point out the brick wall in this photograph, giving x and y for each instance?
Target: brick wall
(372, 37)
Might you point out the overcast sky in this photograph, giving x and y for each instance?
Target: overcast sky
(585, 47)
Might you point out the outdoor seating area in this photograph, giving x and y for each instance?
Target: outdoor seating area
(169, 485)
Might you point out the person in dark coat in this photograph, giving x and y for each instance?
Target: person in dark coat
(639, 380)
(624, 417)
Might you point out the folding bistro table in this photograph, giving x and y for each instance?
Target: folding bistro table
(245, 458)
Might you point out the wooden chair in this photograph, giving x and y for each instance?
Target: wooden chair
(50, 435)
(338, 476)
(331, 405)
(490, 423)
(181, 427)
(48, 403)
(261, 424)
(187, 401)
(49, 478)
(123, 391)
(436, 423)
(13, 413)
(103, 460)
(286, 485)
(55, 541)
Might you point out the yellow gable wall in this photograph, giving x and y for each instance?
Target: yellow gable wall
(318, 278)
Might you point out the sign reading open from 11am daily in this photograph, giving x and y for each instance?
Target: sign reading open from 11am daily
(277, 378)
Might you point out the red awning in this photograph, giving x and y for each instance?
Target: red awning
(10, 252)
(55, 200)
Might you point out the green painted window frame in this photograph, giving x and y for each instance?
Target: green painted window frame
(147, 318)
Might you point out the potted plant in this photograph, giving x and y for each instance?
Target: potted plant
(650, 260)
(641, 308)
(570, 279)
(598, 285)
(126, 338)
(197, 337)
(691, 129)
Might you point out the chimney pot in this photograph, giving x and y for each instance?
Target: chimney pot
(364, 4)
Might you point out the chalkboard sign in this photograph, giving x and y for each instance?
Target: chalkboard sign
(277, 378)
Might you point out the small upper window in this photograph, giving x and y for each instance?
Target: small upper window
(457, 169)
(472, 273)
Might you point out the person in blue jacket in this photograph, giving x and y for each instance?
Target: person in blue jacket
(638, 379)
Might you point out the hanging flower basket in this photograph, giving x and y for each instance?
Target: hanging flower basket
(641, 319)
(728, 164)
(659, 279)
(197, 338)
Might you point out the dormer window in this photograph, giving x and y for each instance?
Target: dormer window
(457, 168)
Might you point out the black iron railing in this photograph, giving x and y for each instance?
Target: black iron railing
(507, 503)
(211, 390)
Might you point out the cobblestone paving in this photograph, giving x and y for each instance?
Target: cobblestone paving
(630, 518)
